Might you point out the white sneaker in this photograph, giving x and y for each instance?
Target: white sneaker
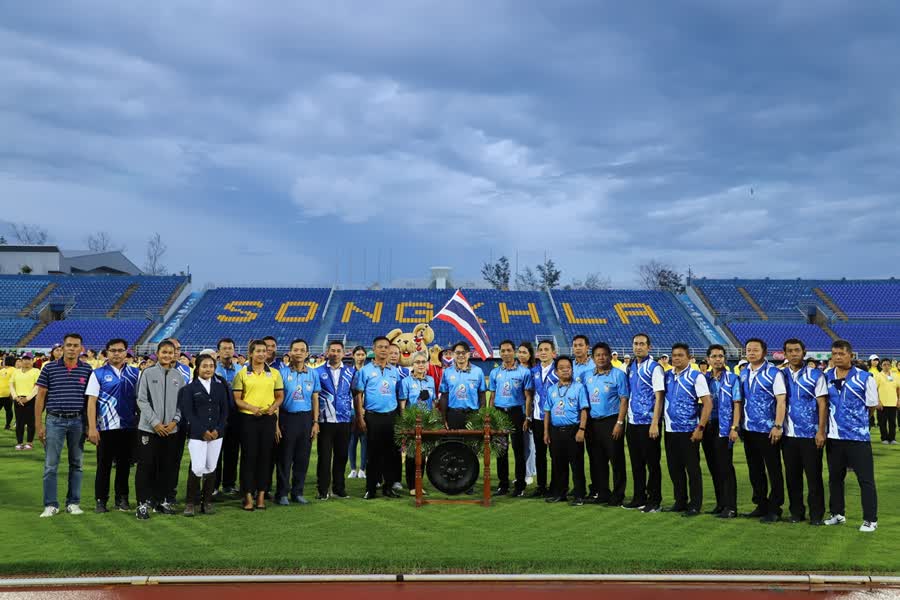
(74, 509)
(836, 520)
(868, 526)
(397, 487)
(361, 474)
(49, 511)
(529, 480)
(885, 442)
(353, 474)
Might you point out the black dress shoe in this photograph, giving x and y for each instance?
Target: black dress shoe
(555, 499)
(691, 512)
(718, 509)
(501, 491)
(757, 513)
(634, 505)
(370, 496)
(538, 493)
(518, 493)
(577, 502)
(794, 519)
(770, 518)
(614, 503)
(389, 493)
(101, 507)
(675, 508)
(727, 514)
(817, 523)
(321, 496)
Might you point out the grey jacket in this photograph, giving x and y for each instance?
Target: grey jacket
(158, 397)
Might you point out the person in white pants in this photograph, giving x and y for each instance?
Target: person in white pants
(204, 404)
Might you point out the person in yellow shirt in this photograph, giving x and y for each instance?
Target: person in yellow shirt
(22, 389)
(888, 395)
(874, 364)
(6, 401)
(258, 394)
(55, 354)
(616, 363)
(664, 362)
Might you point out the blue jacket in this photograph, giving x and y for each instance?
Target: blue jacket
(336, 406)
(204, 411)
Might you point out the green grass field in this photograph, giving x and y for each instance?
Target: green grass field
(513, 536)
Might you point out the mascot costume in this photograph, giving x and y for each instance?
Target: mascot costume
(418, 341)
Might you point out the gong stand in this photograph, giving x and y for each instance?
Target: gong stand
(486, 433)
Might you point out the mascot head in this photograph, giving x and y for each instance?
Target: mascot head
(416, 341)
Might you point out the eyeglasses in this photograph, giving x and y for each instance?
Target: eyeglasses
(420, 362)
(461, 353)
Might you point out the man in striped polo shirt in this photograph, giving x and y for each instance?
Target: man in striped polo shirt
(61, 387)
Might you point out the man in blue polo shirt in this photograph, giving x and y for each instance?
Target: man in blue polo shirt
(376, 410)
(764, 393)
(581, 352)
(647, 386)
(565, 418)
(298, 422)
(462, 388)
(852, 395)
(61, 387)
(226, 475)
(512, 392)
(805, 427)
(607, 391)
(112, 422)
(687, 413)
(335, 415)
(725, 390)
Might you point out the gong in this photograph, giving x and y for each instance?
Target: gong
(452, 467)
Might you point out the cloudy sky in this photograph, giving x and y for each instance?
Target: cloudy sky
(310, 142)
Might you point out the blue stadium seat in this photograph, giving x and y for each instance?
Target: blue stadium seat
(724, 296)
(783, 298)
(17, 292)
(244, 314)
(96, 332)
(659, 314)
(868, 338)
(153, 293)
(92, 295)
(866, 299)
(12, 330)
(774, 334)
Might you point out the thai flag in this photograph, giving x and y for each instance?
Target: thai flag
(458, 312)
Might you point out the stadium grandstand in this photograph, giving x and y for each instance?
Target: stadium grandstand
(35, 310)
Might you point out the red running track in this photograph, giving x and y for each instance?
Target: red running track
(438, 591)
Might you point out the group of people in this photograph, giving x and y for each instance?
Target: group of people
(263, 416)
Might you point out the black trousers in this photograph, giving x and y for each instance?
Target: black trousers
(257, 441)
(381, 450)
(181, 434)
(727, 494)
(709, 442)
(857, 455)
(646, 471)
(293, 453)
(683, 459)
(887, 423)
(393, 468)
(565, 454)
(764, 458)
(517, 441)
(157, 466)
(604, 451)
(116, 446)
(6, 403)
(25, 418)
(332, 447)
(227, 469)
(457, 417)
(801, 457)
(540, 453)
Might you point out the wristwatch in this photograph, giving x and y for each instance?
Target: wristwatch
(777, 426)
(620, 422)
(581, 429)
(701, 427)
(734, 427)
